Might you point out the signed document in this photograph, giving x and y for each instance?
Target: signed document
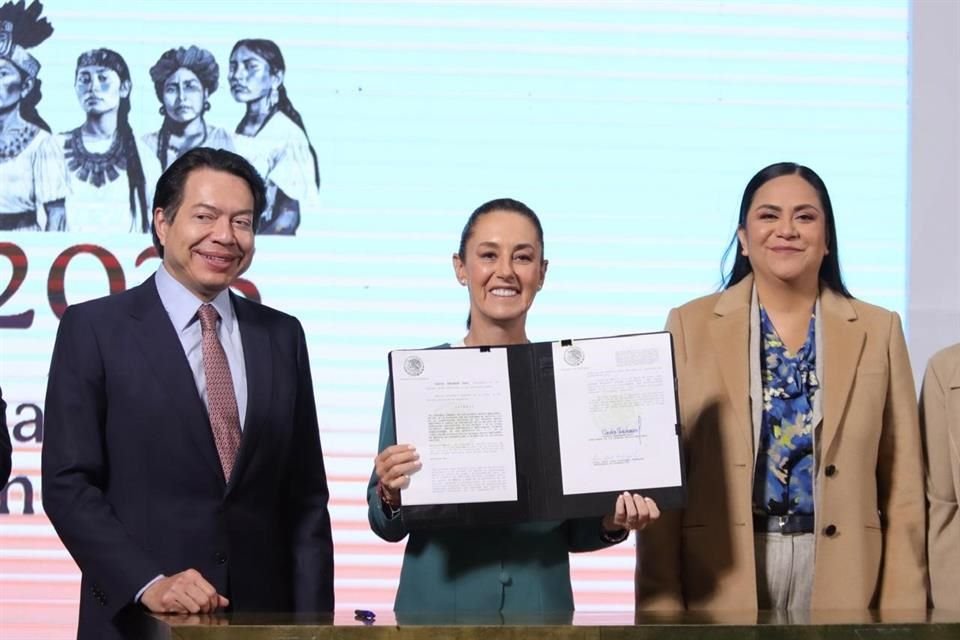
(616, 413)
(454, 406)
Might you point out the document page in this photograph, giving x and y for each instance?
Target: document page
(453, 405)
(616, 413)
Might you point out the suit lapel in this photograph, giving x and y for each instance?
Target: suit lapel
(162, 350)
(258, 364)
(729, 331)
(842, 346)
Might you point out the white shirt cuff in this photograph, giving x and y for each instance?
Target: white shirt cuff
(147, 586)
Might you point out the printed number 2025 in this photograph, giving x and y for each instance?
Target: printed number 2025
(56, 295)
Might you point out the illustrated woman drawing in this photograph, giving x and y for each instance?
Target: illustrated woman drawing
(184, 79)
(107, 182)
(272, 136)
(32, 174)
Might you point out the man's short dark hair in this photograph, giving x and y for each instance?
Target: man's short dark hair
(170, 186)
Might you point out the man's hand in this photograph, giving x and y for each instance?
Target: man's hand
(184, 592)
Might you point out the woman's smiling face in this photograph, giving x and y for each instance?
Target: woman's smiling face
(502, 266)
(785, 234)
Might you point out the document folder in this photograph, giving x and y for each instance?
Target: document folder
(618, 397)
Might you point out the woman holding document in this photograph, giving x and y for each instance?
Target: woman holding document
(798, 412)
(519, 568)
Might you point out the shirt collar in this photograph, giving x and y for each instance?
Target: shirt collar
(181, 304)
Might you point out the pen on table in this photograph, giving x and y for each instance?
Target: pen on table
(366, 616)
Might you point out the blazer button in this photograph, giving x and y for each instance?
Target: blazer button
(830, 470)
(505, 578)
(830, 531)
(220, 557)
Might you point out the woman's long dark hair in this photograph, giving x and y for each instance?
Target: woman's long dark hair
(135, 178)
(830, 267)
(500, 204)
(269, 51)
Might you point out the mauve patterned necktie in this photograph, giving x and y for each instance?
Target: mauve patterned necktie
(221, 400)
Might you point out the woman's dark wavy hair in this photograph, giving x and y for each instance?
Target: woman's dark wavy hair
(203, 65)
(830, 267)
(500, 204)
(269, 51)
(138, 192)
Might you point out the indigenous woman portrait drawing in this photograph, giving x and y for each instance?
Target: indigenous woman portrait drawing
(107, 182)
(184, 80)
(272, 136)
(32, 175)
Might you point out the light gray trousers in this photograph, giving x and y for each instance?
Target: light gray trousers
(784, 570)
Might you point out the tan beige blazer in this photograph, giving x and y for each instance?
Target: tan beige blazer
(940, 421)
(868, 480)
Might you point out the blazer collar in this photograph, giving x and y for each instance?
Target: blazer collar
(843, 340)
(161, 346)
(730, 333)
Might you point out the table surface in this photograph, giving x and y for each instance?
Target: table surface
(860, 618)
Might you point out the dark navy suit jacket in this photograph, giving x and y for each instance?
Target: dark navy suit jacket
(131, 477)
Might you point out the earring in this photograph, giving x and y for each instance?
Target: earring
(163, 110)
(463, 281)
(206, 105)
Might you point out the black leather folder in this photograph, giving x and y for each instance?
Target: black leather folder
(540, 494)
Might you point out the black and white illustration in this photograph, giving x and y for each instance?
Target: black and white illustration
(32, 179)
(108, 188)
(272, 135)
(98, 176)
(184, 79)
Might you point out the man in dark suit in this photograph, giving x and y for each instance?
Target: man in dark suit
(181, 465)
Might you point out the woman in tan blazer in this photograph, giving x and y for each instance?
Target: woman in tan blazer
(805, 493)
(940, 420)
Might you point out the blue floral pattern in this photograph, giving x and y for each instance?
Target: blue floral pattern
(784, 474)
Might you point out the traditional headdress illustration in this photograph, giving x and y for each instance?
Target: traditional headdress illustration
(22, 28)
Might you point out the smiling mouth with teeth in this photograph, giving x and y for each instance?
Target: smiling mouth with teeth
(217, 259)
(504, 293)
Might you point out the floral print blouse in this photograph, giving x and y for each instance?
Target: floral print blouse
(784, 474)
